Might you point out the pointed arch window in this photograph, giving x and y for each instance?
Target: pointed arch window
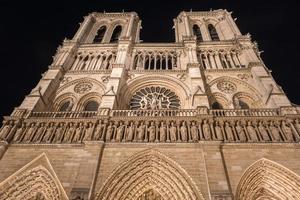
(213, 33)
(116, 34)
(100, 34)
(91, 106)
(197, 33)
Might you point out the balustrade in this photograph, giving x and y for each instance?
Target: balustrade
(149, 59)
(219, 59)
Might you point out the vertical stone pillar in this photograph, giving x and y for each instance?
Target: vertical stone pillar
(83, 27)
(186, 24)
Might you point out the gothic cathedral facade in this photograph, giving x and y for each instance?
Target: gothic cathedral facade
(116, 118)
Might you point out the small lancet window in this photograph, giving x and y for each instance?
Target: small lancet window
(100, 34)
(116, 34)
(216, 105)
(213, 33)
(65, 106)
(197, 33)
(91, 106)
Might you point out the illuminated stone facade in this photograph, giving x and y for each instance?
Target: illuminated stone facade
(116, 118)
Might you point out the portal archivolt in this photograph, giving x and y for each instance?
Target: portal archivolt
(149, 173)
(268, 180)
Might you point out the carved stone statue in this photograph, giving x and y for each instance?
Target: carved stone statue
(236, 103)
(141, 132)
(154, 102)
(288, 132)
(218, 131)
(88, 132)
(162, 132)
(297, 126)
(98, 131)
(5, 130)
(109, 132)
(194, 132)
(206, 130)
(69, 133)
(152, 133)
(19, 133)
(275, 132)
(30, 133)
(59, 133)
(120, 132)
(173, 132)
(184, 132)
(48, 134)
(263, 132)
(129, 132)
(240, 132)
(252, 132)
(229, 132)
(39, 133)
(78, 133)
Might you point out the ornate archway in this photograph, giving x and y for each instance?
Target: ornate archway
(35, 180)
(266, 179)
(149, 172)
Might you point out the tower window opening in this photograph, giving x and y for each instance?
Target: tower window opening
(116, 34)
(100, 34)
(213, 33)
(197, 33)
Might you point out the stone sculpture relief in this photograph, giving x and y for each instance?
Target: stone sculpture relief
(154, 131)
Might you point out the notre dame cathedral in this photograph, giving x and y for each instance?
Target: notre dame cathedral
(114, 118)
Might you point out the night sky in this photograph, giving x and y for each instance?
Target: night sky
(32, 30)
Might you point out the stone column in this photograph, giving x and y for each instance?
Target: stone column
(218, 61)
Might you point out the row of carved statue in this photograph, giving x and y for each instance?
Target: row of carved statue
(152, 131)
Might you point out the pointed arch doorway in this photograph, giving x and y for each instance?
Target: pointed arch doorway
(149, 175)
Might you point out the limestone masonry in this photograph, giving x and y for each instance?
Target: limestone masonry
(116, 118)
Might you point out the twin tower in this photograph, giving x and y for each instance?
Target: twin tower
(117, 118)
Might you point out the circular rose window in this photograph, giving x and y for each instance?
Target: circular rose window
(226, 87)
(154, 98)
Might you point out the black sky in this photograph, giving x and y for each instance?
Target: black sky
(31, 31)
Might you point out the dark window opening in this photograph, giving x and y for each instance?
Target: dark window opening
(91, 106)
(213, 33)
(100, 35)
(197, 33)
(116, 34)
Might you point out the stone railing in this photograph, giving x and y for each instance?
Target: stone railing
(161, 113)
(245, 112)
(82, 114)
(153, 113)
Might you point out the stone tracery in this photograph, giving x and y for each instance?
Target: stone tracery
(152, 98)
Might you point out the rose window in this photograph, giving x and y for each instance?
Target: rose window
(82, 88)
(226, 87)
(153, 98)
